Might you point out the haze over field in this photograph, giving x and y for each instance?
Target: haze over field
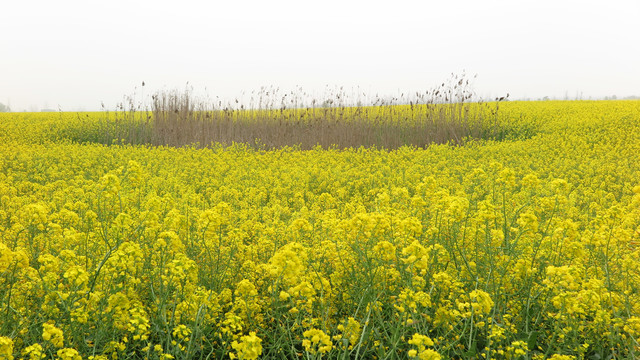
(73, 55)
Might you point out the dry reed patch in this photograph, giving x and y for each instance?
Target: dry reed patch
(450, 113)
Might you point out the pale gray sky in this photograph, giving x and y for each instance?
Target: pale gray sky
(75, 54)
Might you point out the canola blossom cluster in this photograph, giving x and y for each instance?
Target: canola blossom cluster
(527, 248)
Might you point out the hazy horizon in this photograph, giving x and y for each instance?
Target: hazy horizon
(76, 55)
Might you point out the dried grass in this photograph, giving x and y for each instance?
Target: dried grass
(449, 113)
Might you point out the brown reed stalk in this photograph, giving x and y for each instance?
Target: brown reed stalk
(447, 114)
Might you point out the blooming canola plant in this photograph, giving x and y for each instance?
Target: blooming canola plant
(525, 248)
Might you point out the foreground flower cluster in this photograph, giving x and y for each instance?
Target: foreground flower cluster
(523, 249)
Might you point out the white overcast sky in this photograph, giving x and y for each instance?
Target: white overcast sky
(75, 54)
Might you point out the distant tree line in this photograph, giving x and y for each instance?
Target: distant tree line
(4, 108)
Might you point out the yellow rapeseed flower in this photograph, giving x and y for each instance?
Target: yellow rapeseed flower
(249, 347)
(68, 354)
(316, 342)
(421, 342)
(6, 348)
(52, 334)
(34, 352)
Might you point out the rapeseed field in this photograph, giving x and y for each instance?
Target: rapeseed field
(526, 247)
